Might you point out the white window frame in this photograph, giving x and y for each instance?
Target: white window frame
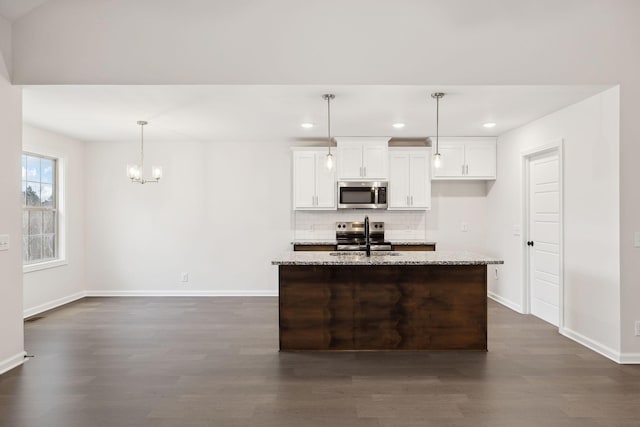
(60, 210)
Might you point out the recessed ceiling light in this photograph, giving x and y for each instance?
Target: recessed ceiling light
(307, 125)
(489, 125)
(398, 125)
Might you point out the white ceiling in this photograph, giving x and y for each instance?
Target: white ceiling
(271, 113)
(15, 9)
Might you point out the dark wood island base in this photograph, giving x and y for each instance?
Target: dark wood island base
(383, 307)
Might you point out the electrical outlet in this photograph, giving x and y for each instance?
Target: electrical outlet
(184, 277)
(516, 230)
(638, 328)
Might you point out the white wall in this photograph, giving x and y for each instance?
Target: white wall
(221, 213)
(454, 203)
(5, 49)
(590, 130)
(47, 288)
(11, 333)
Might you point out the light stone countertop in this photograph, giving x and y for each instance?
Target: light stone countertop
(333, 242)
(385, 258)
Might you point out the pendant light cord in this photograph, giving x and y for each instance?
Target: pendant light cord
(437, 96)
(437, 125)
(141, 148)
(329, 123)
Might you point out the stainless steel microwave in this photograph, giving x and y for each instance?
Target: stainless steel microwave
(362, 194)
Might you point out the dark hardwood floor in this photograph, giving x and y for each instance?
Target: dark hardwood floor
(215, 362)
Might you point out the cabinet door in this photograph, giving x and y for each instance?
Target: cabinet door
(452, 155)
(420, 179)
(375, 161)
(304, 179)
(399, 164)
(326, 187)
(349, 161)
(480, 158)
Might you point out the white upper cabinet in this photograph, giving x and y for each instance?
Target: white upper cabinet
(314, 186)
(363, 159)
(466, 158)
(409, 178)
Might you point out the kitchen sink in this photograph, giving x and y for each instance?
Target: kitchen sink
(362, 253)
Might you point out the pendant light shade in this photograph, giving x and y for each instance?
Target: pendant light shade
(135, 172)
(437, 158)
(329, 158)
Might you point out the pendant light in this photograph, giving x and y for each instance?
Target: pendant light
(136, 172)
(437, 159)
(329, 160)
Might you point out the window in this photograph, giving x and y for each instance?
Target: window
(40, 214)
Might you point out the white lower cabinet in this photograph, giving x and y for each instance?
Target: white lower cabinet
(409, 179)
(314, 186)
(466, 158)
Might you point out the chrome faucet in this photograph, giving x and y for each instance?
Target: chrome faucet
(367, 236)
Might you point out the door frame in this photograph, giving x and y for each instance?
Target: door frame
(557, 146)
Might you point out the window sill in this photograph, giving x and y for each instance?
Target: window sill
(44, 265)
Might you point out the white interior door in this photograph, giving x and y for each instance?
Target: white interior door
(544, 237)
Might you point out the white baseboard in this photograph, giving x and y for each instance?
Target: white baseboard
(12, 362)
(630, 358)
(52, 304)
(181, 293)
(602, 349)
(507, 303)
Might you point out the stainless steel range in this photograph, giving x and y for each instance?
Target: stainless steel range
(351, 236)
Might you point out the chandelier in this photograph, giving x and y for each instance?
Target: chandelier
(136, 172)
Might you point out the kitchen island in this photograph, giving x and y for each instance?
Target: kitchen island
(389, 301)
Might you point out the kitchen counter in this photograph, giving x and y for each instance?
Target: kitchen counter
(334, 242)
(385, 258)
(407, 301)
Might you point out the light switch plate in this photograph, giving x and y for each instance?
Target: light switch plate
(4, 242)
(464, 227)
(636, 239)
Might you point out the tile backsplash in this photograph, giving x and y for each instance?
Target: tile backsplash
(321, 225)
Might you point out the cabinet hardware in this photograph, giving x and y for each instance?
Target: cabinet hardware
(530, 243)
(462, 169)
(407, 200)
(466, 169)
(411, 200)
(365, 171)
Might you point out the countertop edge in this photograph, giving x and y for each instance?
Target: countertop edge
(333, 242)
(384, 262)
